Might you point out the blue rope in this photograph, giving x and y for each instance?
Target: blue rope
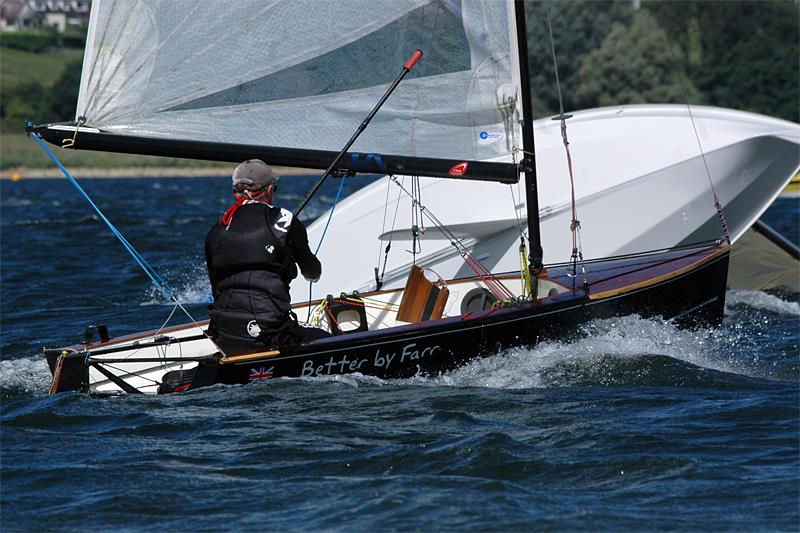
(319, 245)
(330, 215)
(157, 280)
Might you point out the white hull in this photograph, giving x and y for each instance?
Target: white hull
(641, 184)
(136, 365)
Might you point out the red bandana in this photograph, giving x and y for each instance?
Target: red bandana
(228, 216)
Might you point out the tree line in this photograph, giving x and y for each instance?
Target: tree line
(33, 100)
(742, 54)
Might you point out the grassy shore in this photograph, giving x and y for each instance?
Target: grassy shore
(21, 158)
(17, 66)
(17, 151)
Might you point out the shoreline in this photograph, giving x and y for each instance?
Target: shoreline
(18, 174)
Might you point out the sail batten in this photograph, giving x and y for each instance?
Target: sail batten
(302, 74)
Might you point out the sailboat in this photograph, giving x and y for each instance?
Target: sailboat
(277, 82)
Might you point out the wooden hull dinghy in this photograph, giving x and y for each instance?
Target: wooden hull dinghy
(686, 286)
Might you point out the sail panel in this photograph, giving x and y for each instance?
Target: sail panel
(304, 73)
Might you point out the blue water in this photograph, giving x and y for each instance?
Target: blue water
(636, 427)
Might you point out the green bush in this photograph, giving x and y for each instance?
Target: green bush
(27, 101)
(62, 97)
(73, 37)
(31, 100)
(31, 41)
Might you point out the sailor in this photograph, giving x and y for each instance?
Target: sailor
(252, 254)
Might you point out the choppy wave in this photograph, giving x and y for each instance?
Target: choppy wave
(632, 423)
(24, 375)
(760, 300)
(84, 220)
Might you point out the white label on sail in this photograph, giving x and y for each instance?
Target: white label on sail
(487, 138)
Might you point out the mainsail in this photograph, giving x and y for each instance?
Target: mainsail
(300, 74)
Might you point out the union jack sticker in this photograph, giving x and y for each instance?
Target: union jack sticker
(258, 374)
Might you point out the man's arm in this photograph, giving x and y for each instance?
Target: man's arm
(298, 244)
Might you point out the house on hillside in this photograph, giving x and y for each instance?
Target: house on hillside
(16, 15)
(31, 14)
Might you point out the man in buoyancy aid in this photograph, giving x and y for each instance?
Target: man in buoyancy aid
(251, 255)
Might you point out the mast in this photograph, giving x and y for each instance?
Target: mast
(528, 164)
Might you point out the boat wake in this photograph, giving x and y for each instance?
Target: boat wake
(623, 352)
(636, 352)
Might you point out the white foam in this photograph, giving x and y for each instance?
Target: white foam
(621, 338)
(628, 337)
(760, 300)
(354, 380)
(13, 201)
(191, 287)
(28, 373)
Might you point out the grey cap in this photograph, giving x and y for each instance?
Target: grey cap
(254, 174)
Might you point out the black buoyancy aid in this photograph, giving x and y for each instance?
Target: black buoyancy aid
(255, 239)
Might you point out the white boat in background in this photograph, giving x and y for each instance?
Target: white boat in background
(638, 162)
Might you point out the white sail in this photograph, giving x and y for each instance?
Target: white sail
(304, 73)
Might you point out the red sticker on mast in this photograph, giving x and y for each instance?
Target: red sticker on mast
(459, 169)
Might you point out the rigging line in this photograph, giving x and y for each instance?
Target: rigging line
(379, 281)
(156, 334)
(487, 277)
(525, 273)
(321, 239)
(417, 225)
(516, 210)
(204, 332)
(330, 215)
(553, 53)
(166, 290)
(575, 224)
(514, 161)
(524, 265)
(383, 224)
(717, 204)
